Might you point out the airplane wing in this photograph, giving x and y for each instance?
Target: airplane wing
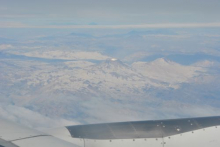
(14, 135)
(192, 132)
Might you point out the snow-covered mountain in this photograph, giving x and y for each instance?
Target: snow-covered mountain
(111, 78)
(78, 89)
(167, 71)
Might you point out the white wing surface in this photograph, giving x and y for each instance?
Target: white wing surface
(191, 132)
(13, 135)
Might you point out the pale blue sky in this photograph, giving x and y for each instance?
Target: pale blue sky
(103, 12)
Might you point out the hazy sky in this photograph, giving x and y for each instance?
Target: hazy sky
(111, 12)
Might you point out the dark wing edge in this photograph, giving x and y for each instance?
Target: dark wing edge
(142, 129)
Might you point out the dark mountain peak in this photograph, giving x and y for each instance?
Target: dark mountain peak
(113, 63)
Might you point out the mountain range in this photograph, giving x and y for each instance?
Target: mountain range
(78, 89)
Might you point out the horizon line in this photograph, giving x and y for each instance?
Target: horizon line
(140, 26)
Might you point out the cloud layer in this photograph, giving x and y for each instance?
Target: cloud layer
(29, 118)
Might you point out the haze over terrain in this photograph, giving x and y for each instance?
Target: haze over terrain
(76, 66)
(86, 78)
